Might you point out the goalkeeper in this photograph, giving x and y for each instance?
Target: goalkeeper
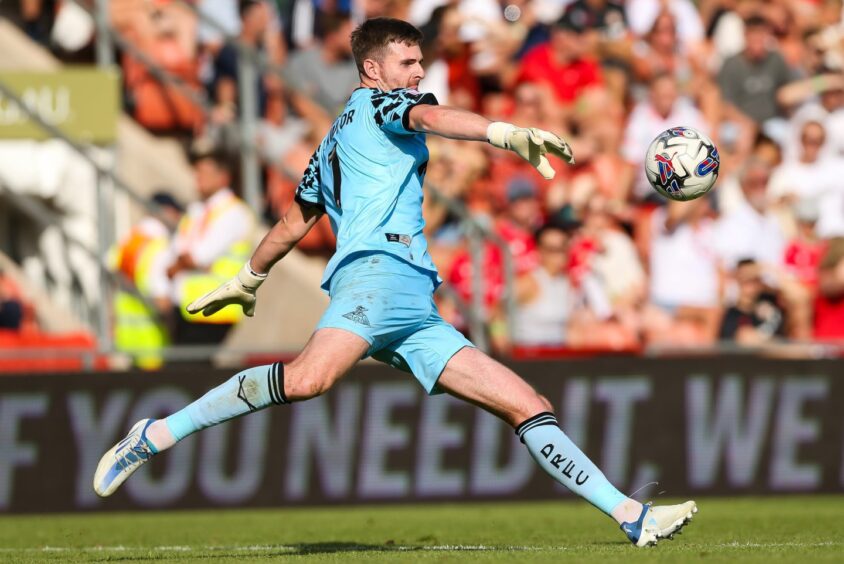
(367, 175)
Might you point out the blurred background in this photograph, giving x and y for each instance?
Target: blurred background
(147, 145)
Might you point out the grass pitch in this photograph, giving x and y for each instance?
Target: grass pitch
(807, 529)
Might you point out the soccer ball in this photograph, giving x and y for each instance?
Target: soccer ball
(682, 163)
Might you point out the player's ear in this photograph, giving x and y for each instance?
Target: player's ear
(371, 69)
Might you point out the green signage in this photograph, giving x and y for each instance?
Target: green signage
(83, 103)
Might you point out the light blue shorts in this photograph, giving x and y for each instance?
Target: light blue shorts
(390, 303)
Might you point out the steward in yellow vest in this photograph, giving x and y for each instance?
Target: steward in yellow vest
(213, 241)
(138, 328)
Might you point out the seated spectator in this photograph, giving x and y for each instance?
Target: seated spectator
(518, 223)
(803, 253)
(664, 108)
(750, 81)
(685, 283)
(213, 240)
(11, 304)
(256, 19)
(751, 231)
(615, 264)
(563, 62)
(326, 73)
(821, 99)
(609, 38)
(756, 317)
(166, 35)
(829, 306)
(812, 176)
(642, 14)
(544, 295)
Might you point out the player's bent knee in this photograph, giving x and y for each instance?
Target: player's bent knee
(303, 383)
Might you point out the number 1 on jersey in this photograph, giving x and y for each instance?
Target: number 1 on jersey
(334, 159)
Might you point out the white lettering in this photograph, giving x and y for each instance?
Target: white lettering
(790, 430)
(715, 428)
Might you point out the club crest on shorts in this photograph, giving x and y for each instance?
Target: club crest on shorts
(358, 316)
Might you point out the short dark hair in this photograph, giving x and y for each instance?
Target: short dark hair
(205, 149)
(757, 21)
(328, 23)
(244, 6)
(371, 38)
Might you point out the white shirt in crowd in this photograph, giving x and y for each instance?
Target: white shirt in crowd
(746, 234)
(543, 320)
(684, 264)
(641, 15)
(833, 123)
(822, 181)
(645, 124)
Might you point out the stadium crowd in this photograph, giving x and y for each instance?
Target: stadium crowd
(602, 261)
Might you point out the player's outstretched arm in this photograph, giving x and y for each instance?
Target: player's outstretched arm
(241, 290)
(529, 143)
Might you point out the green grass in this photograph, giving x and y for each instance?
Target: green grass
(807, 529)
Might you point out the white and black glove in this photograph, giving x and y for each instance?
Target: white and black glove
(240, 290)
(531, 144)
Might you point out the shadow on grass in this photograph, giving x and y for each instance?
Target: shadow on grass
(301, 549)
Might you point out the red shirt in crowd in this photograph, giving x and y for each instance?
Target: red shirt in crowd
(568, 80)
(802, 259)
(829, 319)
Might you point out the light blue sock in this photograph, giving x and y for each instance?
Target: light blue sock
(566, 463)
(245, 392)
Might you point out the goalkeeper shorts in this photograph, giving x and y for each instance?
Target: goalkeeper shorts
(390, 304)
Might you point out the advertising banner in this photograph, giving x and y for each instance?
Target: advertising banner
(84, 103)
(725, 426)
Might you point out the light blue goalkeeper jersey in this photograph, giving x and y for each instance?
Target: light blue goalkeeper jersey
(367, 175)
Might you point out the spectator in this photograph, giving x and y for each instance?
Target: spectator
(803, 253)
(616, 264)
(751, 231)
(255, 17)
(521, 218)
(326, 73)
(140, 327)
(11, 304)
(822, 99)
(213, 240)
(664, 108)
(756, 317)
(608, 37)
(685, 284)
(643, 13)
(544, 294)
(167, 37)
(829, 307)
(750, 81)
(812, 176)
(562, 63)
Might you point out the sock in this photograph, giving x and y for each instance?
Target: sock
(566, 463)
(245, 392)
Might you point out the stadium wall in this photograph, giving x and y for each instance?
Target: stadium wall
(697, 426)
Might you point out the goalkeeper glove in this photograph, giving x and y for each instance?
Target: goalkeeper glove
(239, 290)
(531, 144)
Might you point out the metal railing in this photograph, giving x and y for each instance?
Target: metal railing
(251, 63)
(100, 317)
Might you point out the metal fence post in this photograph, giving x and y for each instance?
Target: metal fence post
(250, 170)
(477, 325)
(104, 47)
(103, 320)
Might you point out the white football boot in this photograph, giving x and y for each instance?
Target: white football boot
(656, 523)
(119, 462)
